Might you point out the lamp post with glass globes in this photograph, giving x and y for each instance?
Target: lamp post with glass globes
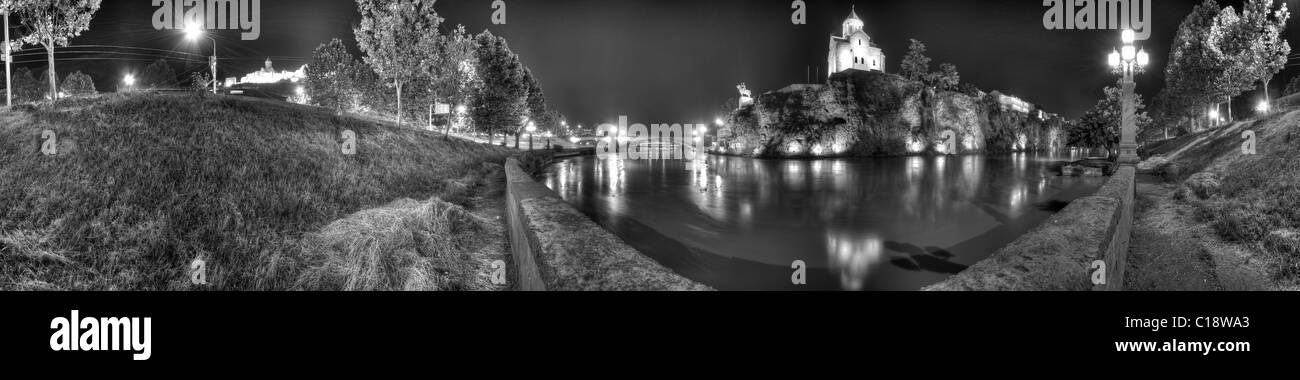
(1128, 61)
(194, 31)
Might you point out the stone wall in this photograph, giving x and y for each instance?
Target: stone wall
(1059, 254)
(555, 247)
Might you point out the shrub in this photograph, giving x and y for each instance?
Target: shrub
(1204, 184)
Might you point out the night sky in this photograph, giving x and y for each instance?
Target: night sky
(679, 60)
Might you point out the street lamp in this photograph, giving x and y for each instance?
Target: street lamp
(1262, 107)
(532, 127)
(1128, 60)
(129, 80)
(193, 32)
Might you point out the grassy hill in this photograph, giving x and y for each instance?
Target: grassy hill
(143, 185)
(1252, 200)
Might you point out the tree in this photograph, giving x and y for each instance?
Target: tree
(501, 101)
(1218, 54)
(451, 68)
(536, 103)
(79, 84)
(394, 35)
(331, 76)
(1099, 127)
(52, 23)
(26, 88)
(200, 82)
(157, 74)
(1293, 87)
(916, 66)
(947, 78)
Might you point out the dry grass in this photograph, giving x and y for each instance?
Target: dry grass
(145, 184)
(1256, 199)
(406, 245)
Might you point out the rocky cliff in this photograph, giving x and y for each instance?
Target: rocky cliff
(860, 113)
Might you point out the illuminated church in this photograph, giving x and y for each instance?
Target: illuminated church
(853, 49)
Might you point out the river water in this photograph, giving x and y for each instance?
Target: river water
(855, 224)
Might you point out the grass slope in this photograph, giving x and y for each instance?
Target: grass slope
(144, 184)
(1251, 200)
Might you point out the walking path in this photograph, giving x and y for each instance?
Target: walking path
(1172, 251)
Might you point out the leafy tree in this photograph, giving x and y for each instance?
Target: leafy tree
(1190, 71)
(26, 88)
(1218, 54)
(331, 76)
(52, 23)
(1099, 127)
(157, 74)
(1293, 87)
(79, 84)
(501, 102)
(200, 82)
(536, 103)
(916, 65)
(947, 78)
(452, 68)
(394, 35)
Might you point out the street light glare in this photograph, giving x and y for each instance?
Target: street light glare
(193, 31)
(1263, 106)
(1128, 36)
(1143, 58)
(1128, 52)
(1113, 59)
(129, 80)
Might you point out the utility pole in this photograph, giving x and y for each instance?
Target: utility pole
(9, 87)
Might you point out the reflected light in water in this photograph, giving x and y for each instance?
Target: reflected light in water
(852, 257)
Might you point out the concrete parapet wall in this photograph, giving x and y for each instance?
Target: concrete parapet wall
(1060, 254)
(555, 247)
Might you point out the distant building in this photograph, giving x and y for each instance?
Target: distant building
(1011, 103)
(853, 49)
(268, 75)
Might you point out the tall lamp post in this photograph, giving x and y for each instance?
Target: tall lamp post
(193, 32)
(1128, 61)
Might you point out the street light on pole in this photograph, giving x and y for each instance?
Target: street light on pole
(1128, 61)
(193, 32)
(129, 80)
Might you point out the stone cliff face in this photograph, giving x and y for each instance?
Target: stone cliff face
(860, 113)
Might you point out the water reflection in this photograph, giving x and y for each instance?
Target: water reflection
(887, 223)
